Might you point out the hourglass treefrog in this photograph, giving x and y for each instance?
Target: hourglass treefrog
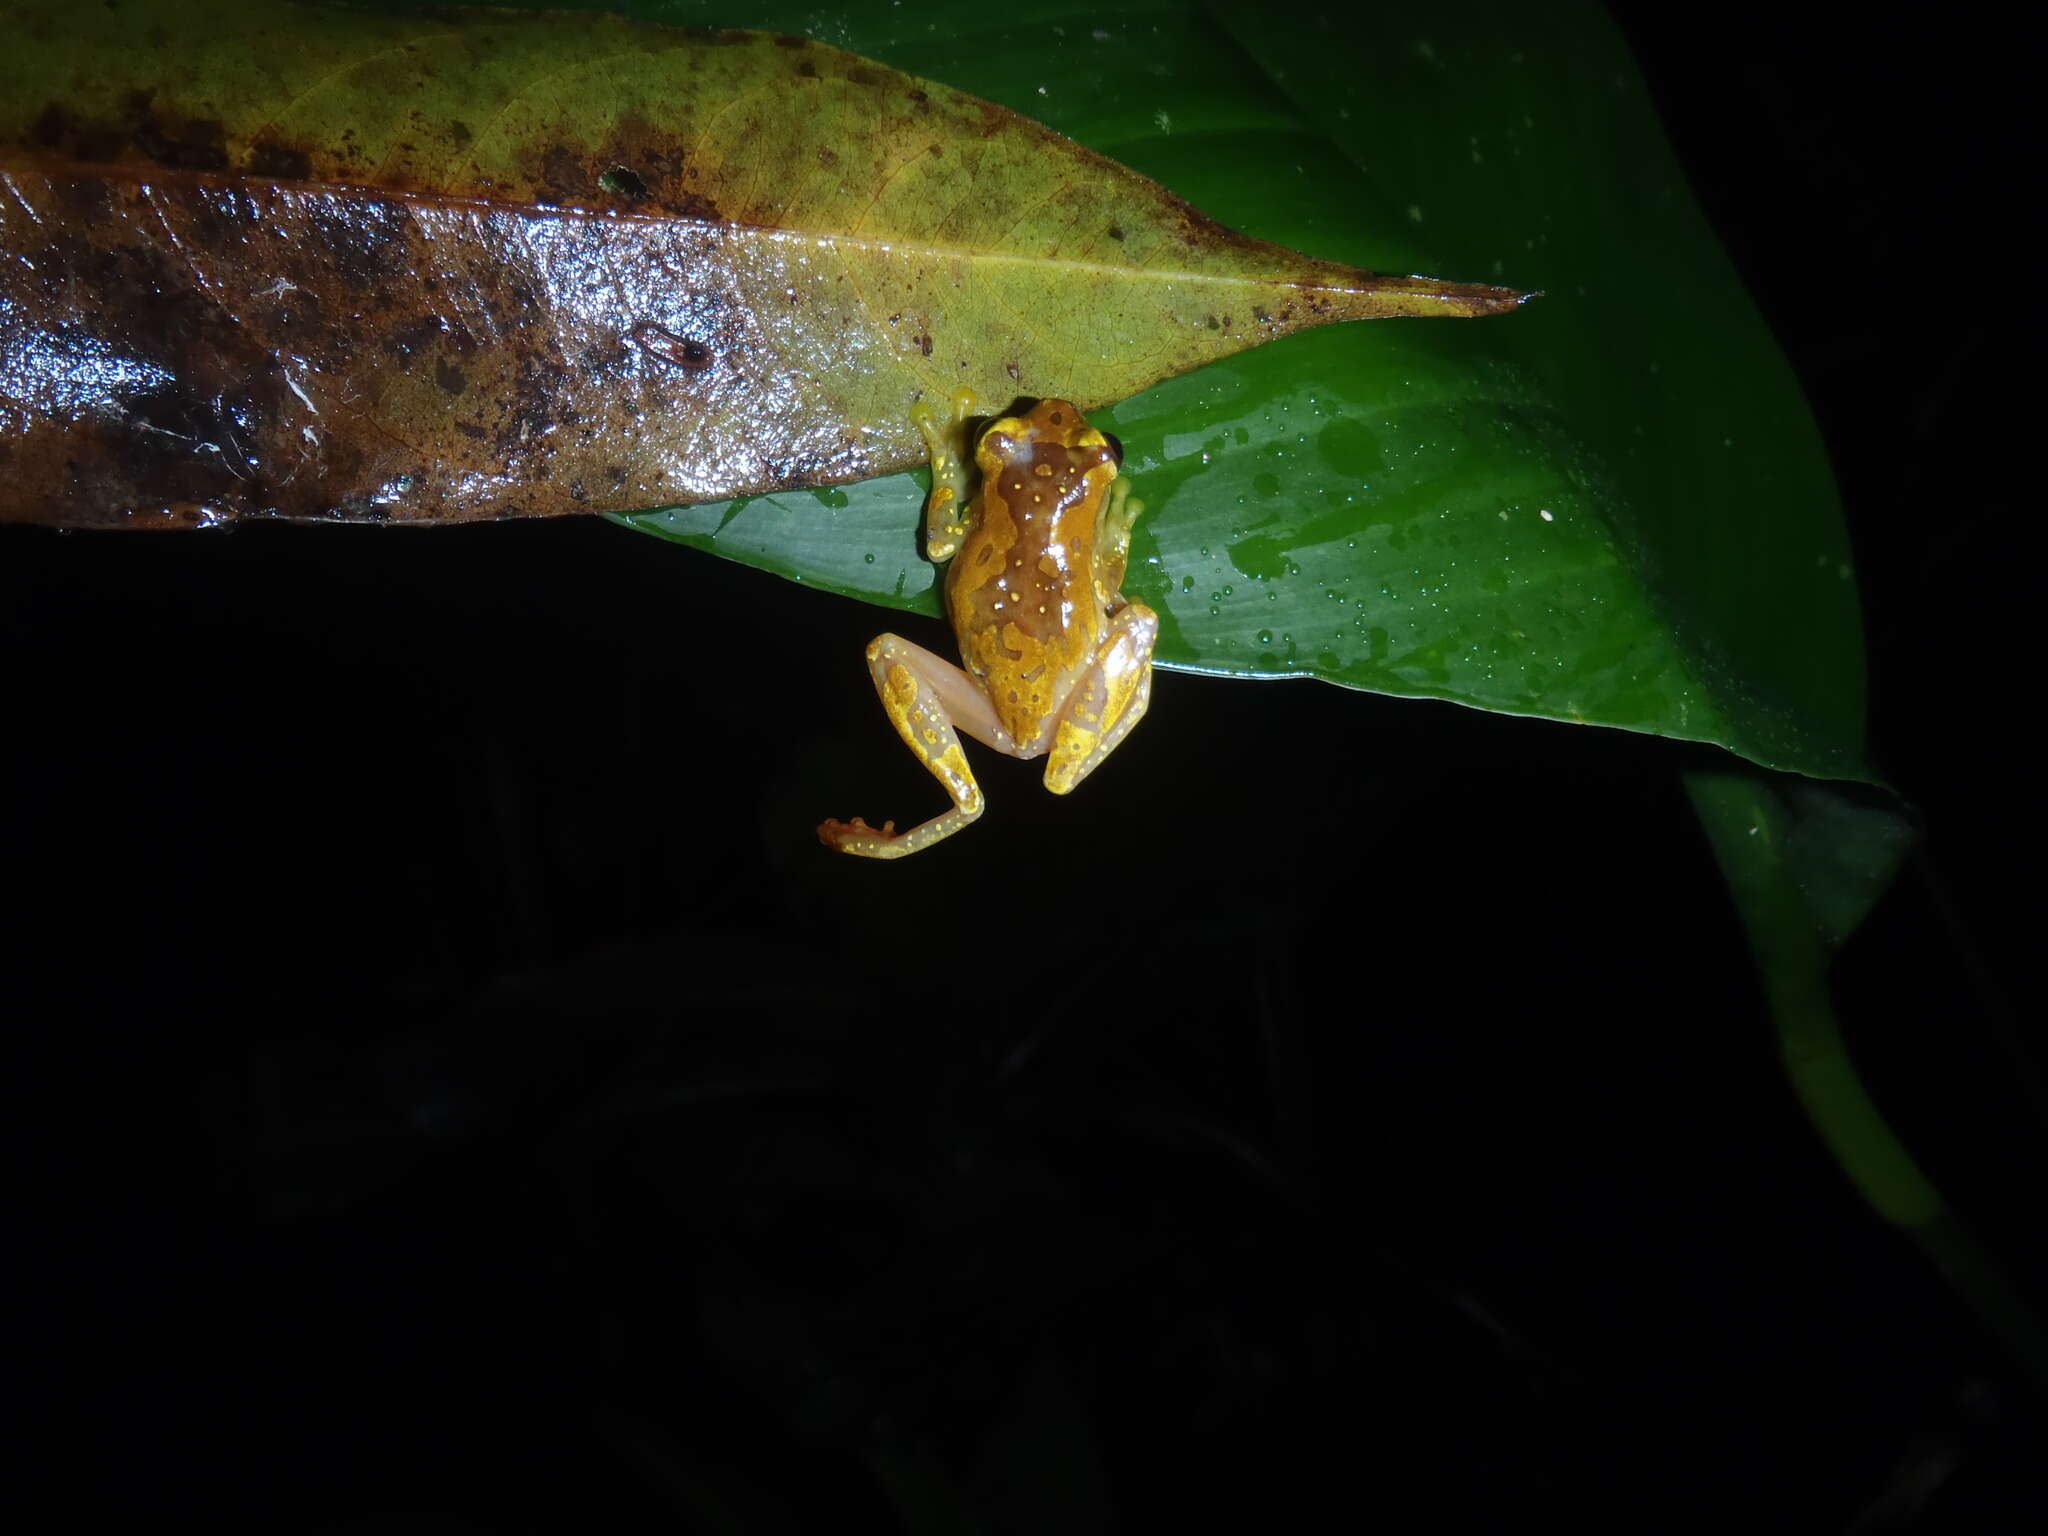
(1055, 660)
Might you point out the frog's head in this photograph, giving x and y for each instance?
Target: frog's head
(1050, 442)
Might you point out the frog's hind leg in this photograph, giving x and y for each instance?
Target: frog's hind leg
(1110, 698)
(925, 698)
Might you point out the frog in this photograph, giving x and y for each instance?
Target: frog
(1055, 661)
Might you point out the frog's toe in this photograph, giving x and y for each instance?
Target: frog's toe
(840, 834)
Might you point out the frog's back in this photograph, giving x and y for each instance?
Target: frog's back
(1022, 590)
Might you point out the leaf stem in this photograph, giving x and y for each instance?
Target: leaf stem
(1749, 825)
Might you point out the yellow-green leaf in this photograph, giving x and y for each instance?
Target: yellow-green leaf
(318, 263)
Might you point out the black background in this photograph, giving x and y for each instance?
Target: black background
(455, 1081)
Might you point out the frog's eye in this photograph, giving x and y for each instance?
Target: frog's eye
(1116, 447)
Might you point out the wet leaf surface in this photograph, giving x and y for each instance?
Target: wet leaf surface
(318, 263)
(1614, 510)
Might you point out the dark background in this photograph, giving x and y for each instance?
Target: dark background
(454, 1081)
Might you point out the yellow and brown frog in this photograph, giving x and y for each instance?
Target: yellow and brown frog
(1055, 661)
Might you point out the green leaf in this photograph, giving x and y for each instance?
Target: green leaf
(1614, 509)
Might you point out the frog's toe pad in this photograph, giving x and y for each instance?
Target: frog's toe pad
(838, 834)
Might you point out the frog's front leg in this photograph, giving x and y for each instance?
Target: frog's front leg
(1110, 698)
(1114, 556)
(947, 509)
(925, 698)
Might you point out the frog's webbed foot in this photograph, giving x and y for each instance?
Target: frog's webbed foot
(1110, 698)
(838, 834)
(924, 698)
(945, 439)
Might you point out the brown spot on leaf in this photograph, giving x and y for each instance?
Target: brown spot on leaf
(691, 205)
(450, 378)
(200, 145)
(52, 126)
(415, 333)
(562, 175)
(277, 161)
